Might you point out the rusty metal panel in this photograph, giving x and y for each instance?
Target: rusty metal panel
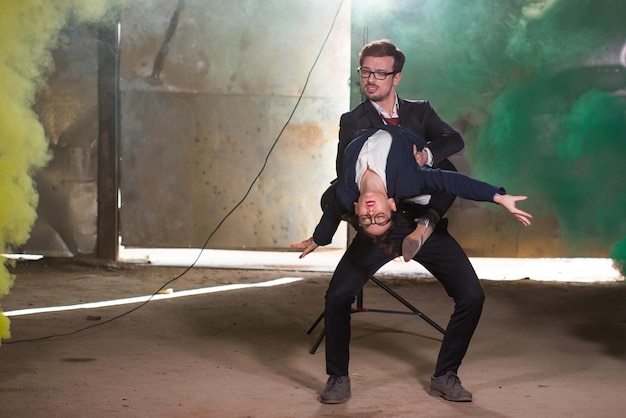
(187, 162)
(206, 89)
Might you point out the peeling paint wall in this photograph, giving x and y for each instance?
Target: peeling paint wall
(206, 90)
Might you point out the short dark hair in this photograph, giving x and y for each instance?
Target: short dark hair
(381, 241)
(383, 48)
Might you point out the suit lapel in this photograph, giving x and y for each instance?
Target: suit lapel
(375, 120)
(405, 114)
(372, 115)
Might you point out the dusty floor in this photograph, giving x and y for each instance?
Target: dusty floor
(542, 349)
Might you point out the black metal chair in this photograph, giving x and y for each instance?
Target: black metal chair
(359, 308)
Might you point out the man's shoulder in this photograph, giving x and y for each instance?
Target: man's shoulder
(366, 107)
(360, 117)
(360, 109)
(418, 104)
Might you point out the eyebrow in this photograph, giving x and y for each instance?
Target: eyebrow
(376, 70)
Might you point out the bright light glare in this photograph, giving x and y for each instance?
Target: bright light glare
(23, 256)
(138, 299)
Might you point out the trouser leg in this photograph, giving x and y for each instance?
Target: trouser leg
(446, 260)
(441, 202)
(356, 267)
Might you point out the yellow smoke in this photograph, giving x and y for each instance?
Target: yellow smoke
(29, 31)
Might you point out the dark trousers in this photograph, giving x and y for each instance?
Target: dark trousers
(442, 256)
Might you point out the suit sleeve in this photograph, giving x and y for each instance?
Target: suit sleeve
(428, 180)
(333, 207)
(326, 228)
(347, 130)
(443, 140)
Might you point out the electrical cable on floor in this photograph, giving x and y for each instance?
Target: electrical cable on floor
(206, 242)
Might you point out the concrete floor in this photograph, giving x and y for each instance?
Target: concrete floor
(542, 349)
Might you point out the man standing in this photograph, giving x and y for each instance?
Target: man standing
(380, 71)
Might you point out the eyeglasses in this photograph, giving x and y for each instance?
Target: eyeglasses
(380, 219)
(378, 75)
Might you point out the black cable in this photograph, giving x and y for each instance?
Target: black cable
(206, 242)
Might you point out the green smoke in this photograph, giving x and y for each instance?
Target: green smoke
(536, 86)
(567, 154)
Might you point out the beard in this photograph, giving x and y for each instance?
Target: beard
(378, 95)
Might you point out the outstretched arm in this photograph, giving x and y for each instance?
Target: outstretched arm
(306, 246)
(508, 202)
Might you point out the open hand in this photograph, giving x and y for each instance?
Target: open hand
(508, 202)
(306, 246)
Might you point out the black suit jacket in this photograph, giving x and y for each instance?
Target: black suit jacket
(416, 115)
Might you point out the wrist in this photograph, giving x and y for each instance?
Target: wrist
(429, 157)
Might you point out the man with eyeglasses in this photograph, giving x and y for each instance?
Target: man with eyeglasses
(380, 72)
(379, 168)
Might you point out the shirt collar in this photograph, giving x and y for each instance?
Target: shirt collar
(384, 113)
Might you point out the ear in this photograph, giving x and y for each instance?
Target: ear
(354, 207)
(396, 78)
(392, 204)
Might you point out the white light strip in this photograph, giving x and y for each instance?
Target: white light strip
(23, 256)
(326, 260)
(192, 292)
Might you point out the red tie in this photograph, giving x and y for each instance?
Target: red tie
(392, 121)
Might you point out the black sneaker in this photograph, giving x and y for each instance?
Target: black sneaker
(337, 390)
(448, 386)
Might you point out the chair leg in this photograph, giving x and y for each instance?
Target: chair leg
(317, 321)
(318, 341)
(359, 308)
(408, 305)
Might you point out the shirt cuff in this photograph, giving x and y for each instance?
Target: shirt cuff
(430, 157)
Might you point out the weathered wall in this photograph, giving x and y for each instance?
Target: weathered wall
(198, 122)
(204, 97)
(67, 187)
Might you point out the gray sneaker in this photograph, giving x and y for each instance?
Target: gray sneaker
(448, 386)
(337, 390)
